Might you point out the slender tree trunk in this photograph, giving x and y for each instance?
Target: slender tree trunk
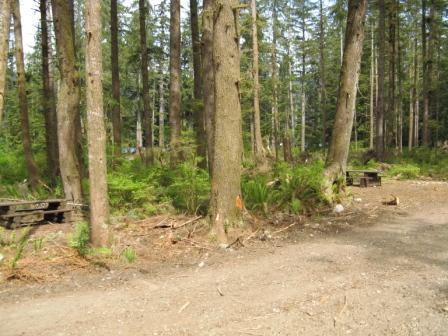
(161, 110)
(380, 108)
(303, 124)
(340, 141)
(275, 80)
(48, 99)
(391, 104)
(96, 130)
(411, 113)
(258, 141)
(31, 166)
(145, 83)
(67, 103)
(425, 77)
(175, 89)
(226, 178)
(197, 87)
(399, 81)
(208, 78)
(322, 77)
(116, 113)
(430, 73)
(372, 87)
(5, 25)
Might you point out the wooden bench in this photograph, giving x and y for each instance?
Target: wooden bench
(23, 213)
(367, 178)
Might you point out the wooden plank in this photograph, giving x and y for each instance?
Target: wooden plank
(7, 204)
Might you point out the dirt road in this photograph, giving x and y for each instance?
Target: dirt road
(390, 278)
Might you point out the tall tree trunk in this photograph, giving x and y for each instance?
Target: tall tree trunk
(197, 87)
(226, 178)
(303, 123)
(67, 103)
(5, 25)
(48, 99)
(412, 97)
(208, 78)
(425, 77)
(372, 86)
(322, 77)
(391, 104)
(430, 73)
(258, 141)
(161, 110)
(96, 130)
(31, 166)
(116, 113)
(145, 83)
(274, 70)
(175, 89)
(340, 141)
(380, 108)
(399, 80)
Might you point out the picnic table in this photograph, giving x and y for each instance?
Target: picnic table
(14, 214)
(367, 178)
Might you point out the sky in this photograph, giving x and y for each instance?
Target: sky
(30, 19)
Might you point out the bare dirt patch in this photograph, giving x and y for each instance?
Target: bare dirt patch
(372, 270)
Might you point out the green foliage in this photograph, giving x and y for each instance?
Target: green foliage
(129, 255)
(302, 183)
(404, 171)
(189, 188)
(255, 193)
(38, 243)
(79, 239)
(295, 189)
(20, 246)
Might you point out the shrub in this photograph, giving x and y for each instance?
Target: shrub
(189, 188)
(404, 171)
(129, 255)
(255, 193)
(79, 239)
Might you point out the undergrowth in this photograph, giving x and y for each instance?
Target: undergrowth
(296, 189)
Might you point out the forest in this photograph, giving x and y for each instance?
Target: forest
(226, 120)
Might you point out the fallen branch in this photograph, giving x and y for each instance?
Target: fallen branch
(184, 307)
(285, 228)
(253, 234)
(175, 227)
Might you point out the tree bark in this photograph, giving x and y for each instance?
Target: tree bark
(201, 140)
(208, 78)
(226, 179)
(391, 103)
(48, 99)
(322, 77)
(260, 155)
(372, 87)
(5, 25)
(161, 110)
(381, 77)
(340, 141)
(68, 115)
(145, 83)
(116, 113)
(274, 70)
(399, 81)
(31, 166)
(425, 77)
(96, 131)
(303, 123)
(411, 101)
(175, 88)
